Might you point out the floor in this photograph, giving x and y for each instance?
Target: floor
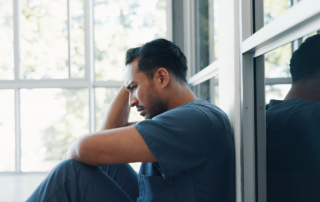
(18, 187)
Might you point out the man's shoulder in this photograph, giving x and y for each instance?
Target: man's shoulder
(295, 104)
(196, 109)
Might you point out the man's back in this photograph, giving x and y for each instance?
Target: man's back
(293, 150)
(195, 155)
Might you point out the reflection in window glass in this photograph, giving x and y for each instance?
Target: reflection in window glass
(7, 131)
(309, 35)
(77, 39)
(50, 120)
(104, 97)
(6, 39)
(120, 25)
(276, 92)
(274, 8)
(206, 43)
(206, 32)
(277, 62)
(44, 39)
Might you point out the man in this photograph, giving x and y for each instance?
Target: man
(293, 131)
(185, 144)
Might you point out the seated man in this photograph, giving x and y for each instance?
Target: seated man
(293, 131)
(185, 144)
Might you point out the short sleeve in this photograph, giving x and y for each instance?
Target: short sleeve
(179, 139)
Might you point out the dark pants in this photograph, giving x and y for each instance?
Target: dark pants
(74, 181)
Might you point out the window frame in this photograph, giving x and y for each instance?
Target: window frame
(87, 82)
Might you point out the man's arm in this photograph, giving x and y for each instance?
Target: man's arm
(115, 146)
(118, 112)
(121, 145)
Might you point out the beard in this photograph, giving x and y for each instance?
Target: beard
(157, 106)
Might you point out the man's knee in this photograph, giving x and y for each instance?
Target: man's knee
(69, 169)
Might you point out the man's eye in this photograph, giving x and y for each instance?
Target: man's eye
(133, 87)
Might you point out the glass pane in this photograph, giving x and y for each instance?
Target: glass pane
(6, 39)
(7, 131)
(276, 92)
(50, 120)
(214, 90)
(274, 8)
(77, 39)
(44, 39)
(104, 97)
(206, 32)
(277, 62)
(208, 90)
(120, 25)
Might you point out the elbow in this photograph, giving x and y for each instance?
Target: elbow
(82, 149)
(83, 152)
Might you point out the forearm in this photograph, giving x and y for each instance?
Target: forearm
(118, 111)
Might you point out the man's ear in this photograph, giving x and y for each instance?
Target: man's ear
(162, 77)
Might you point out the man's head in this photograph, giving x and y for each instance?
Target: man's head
(305, 62)
(150, 72)
(163, 53)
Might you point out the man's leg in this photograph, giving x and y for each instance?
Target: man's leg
(125, 177)
(74, 181)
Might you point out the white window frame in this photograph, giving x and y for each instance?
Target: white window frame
(88, 82)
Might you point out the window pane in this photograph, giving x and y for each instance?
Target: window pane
(277, 92)
(7, 131)
(104, 97)
(50, 120)
(206, 33)
(44, 39)
(77, 39)
(274, 8)
(214, 90)
(6, 39)
(120, 25)
(277, 62)
(208, 90)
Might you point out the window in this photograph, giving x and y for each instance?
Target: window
(7, 131)
(120, 25)
(51, 89)
(206, 49)
(6, 40)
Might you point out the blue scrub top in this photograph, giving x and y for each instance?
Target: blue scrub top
(194, 149)
(293, 150)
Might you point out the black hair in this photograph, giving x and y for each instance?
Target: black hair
(305, 61)
(163, 53)
(132, 54)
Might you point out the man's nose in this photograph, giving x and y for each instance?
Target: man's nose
(132, 100)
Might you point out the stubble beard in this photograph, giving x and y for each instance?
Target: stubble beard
(157, 106)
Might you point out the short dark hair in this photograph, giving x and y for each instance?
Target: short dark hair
(132, 54)
(305, 61)
(163, 53)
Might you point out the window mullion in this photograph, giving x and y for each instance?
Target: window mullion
(89, 60)
(16, 18)
(17, 76)
(69, 37)
(17, 131)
